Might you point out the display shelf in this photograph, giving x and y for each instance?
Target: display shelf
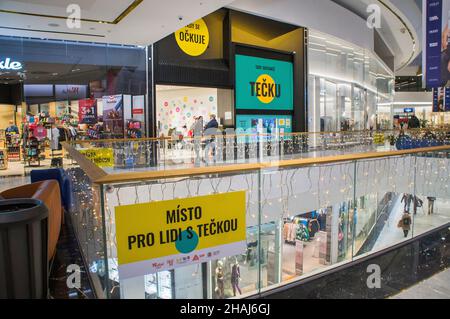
(13, 147)
(33, 151)
(3, 159)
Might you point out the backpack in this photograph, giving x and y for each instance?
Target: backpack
(406, 221)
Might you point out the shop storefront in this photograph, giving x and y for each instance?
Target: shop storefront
(248, 81)
(350, 89)
(56, 91)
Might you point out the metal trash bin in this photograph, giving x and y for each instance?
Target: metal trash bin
(23, 249)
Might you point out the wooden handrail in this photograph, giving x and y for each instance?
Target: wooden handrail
(92, 171)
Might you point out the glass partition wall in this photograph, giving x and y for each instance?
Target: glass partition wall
(347, 87)
(301, 218)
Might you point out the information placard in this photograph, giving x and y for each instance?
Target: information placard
(164, 235)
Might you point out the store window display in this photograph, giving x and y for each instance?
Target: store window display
(3, 152)
(178, 107)
(347, 89)
(12, 139)
(234, 276)
(305, 239)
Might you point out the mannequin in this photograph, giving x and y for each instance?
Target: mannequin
(55, 138)
(12, 128)
(235, 277)
(220, 281)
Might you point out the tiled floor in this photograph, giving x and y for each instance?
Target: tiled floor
(13, 181)
(437, 287)
(422, 223)
(68, 253)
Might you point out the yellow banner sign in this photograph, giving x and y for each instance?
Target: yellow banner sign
(193, 39)
(102, 157)
(164, 235)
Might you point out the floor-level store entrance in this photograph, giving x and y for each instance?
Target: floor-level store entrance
(177, 107)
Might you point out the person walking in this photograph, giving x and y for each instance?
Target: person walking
(417, 203)
(431, 201)
(405, 223)
(196, 129)
(210, 132)
(407, 198)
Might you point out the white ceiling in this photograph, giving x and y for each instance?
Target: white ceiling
(106, 10)
(152, 20)
(149, 22)
(394, 27)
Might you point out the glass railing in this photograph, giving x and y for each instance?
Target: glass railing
(261, 223)
(225, 148)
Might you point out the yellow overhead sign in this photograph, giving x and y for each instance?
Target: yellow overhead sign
(193, 39)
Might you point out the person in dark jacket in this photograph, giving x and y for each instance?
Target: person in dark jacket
(405, 223)
(210, 131)
(431, 201)
(407, 198)
(413, 122)
(212, 122)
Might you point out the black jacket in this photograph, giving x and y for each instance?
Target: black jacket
(212, 124)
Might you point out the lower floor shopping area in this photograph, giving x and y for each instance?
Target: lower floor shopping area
(291, 249)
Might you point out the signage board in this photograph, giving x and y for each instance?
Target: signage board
(264, 84)
(193, 39)
(164, 235)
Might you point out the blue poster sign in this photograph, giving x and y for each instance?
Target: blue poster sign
(269, 124)
(435, 100)
(436, 57)
(447, 99)
(439, 99)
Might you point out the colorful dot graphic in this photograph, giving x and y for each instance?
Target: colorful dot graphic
(184, 244)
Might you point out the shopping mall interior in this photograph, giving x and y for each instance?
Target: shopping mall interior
(224, 149)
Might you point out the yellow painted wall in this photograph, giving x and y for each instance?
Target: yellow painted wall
(6, 114)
